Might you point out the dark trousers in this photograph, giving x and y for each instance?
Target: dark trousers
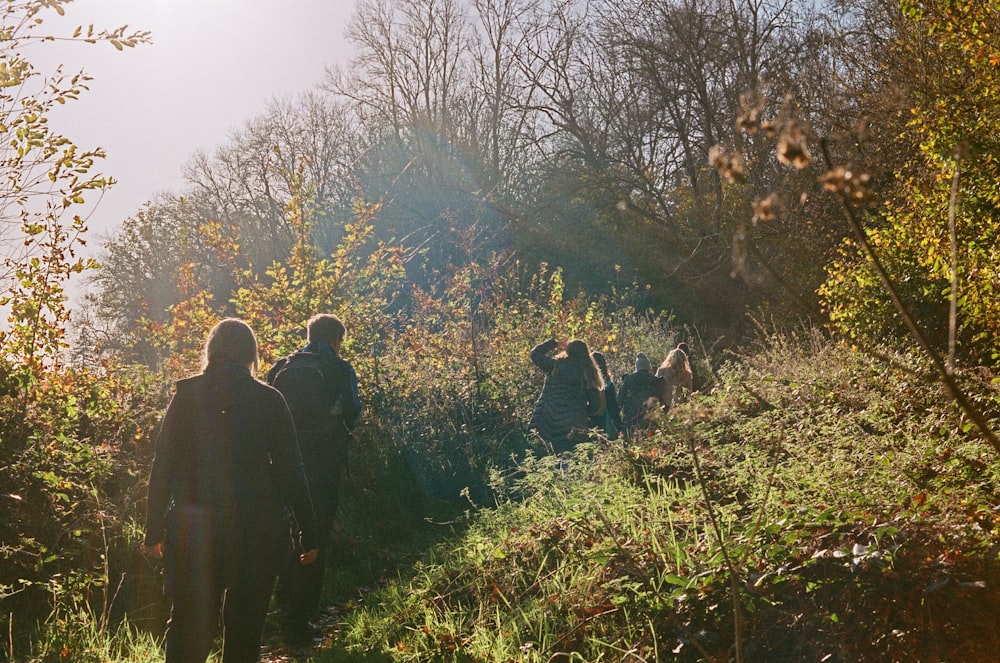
(199, 587)
(300, 585)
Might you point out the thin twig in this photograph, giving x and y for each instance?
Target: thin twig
(734, 579)
(953, 304)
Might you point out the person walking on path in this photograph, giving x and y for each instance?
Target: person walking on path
(322, 393)
(226, 468)
(572, 392)
(640, 393)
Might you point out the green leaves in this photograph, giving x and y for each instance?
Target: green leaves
(955, 123)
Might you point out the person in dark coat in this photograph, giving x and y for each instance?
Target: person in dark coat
(611, 421)
(226, 469)
(324, 444)
(640, 393)
(572, 392)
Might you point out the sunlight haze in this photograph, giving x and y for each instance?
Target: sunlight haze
(212, 65)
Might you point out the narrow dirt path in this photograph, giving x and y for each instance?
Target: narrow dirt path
(329, 624)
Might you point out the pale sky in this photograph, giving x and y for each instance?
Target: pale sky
(213, 64)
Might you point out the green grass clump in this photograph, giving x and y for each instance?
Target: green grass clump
(82, 638)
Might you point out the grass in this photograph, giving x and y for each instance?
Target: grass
(847, 497)
(80, 638)
(816, 505)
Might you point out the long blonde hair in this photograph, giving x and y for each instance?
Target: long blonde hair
(230, 340)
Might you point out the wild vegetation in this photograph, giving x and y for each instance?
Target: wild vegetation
(818, 504)
(804, 195)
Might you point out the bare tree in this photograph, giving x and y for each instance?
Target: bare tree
(409, 66)
(308, 143)
(499, 127)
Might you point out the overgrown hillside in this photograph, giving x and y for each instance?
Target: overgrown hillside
(838, 498)
(836, 494)
(629, 173)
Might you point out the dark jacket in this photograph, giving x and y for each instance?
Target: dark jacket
(561, 413)
(327, 447)
(343, 382)
(640, 392)
(226, 468)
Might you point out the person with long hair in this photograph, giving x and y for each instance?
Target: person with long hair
(226, 469)
(572, 392)
(675, 371)
(610, 422)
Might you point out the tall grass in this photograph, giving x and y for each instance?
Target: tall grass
(836, 481)
(828, 485)
(81, 639)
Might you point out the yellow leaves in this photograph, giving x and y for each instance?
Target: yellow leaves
(13, 71)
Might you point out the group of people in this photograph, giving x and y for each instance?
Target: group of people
(246, 474)
(244, 487)
(579, 394)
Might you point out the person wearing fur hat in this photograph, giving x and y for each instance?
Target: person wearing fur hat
(640, 393)
(572, 392)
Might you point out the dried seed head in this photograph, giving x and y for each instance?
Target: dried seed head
(853, 185)
(749, 118)
(728, 162)
(765, 209)
(793, 149)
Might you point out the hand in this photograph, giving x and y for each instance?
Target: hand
(154, 551)
(308, 557)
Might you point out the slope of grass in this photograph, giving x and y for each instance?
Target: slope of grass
(818, 505)
(815, 504)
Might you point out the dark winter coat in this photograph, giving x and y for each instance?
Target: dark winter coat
(640, 392)
(561, 413)
(225, 470)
